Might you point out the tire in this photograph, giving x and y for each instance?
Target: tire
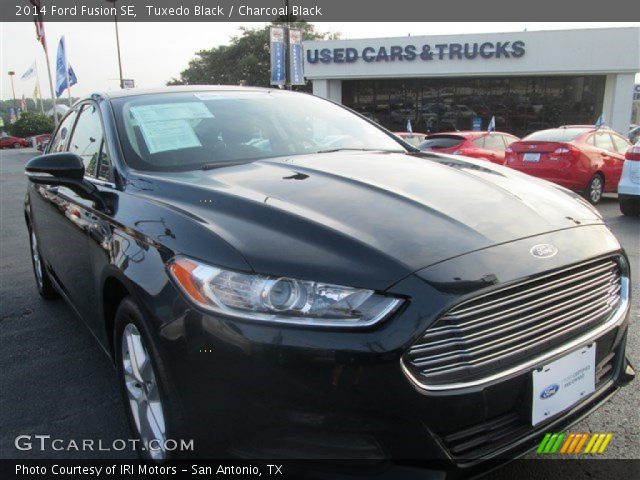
(17, 145)
(43, 280)
(630, 207)
(151, 408)
(595, 189)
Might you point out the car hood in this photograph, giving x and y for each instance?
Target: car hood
(363, 218)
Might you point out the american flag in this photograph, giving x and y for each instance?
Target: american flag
(37, 19)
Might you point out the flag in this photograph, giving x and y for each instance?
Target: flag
(38, 21)
(278, 66)
(409, 129)
(63, 69)
(492, 125)
(296, 67)
(600, 121)
(30, 73)
(36, 92)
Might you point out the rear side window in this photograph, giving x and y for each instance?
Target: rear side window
(494, 142)
(86, 140)
(479, 142)
(442, 142)
(555, 135)
(59, 141)
(603, 140)
(620, 143)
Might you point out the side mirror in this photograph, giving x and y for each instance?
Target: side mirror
(63, 169)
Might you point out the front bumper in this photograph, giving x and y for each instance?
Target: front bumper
(262, 391)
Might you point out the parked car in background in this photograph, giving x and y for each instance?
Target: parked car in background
(629, 185)
(483, 145)
(412, 138)
(13, 142)
(578, 157)
(634, 133)
(41, 141)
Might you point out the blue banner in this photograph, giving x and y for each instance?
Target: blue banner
(278, 64)
(296, 69)
(63, 70)
(476, 124)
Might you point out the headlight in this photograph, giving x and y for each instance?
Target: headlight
(279, 299)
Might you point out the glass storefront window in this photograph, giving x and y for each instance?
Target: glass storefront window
(521, 105)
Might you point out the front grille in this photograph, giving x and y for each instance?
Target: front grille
(497, 330)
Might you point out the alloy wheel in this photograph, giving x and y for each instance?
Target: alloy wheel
(37, 261)
(595, 190)
(143, 393)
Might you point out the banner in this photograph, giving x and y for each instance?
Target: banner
(296, 67)
(30, 73)
(278, 67)
(63, 70)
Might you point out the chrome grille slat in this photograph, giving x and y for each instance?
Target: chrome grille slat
(501, 320)
(469, 339)
(542, 288)
(460, 326)
(505, 325)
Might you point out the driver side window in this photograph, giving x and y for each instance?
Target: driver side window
(87, 138)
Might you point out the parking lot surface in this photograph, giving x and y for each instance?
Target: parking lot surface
(56, 380)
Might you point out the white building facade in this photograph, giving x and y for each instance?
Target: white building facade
(527, 80)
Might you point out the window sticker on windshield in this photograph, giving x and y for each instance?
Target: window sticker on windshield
(168, 135)
(170, 111)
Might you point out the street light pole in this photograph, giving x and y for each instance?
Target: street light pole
(13, 90)
(115, 21)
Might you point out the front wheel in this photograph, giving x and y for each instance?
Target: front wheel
(145, 390)
(595, 189)
(17, 145)
(43, 281)
(630, 206)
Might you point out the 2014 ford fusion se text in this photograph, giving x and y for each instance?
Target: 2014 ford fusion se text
(276, 276)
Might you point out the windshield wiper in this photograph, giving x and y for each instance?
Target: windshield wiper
(214, 165)
(330, 150)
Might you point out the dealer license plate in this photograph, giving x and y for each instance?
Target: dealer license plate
(561, 384)
(531, 157)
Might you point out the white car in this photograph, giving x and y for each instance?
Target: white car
(629, 186)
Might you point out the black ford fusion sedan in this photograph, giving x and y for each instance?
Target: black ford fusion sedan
(276, 276)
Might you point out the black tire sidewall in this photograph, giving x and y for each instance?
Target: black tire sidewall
(129, 312)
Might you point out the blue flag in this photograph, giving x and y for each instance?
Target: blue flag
(492, 125)
(63, 70)
(278, 66)
(409, 129)
(600, 121)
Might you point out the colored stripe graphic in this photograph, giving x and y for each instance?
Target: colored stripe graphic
(573, 443)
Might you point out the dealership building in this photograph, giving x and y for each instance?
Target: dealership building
(527, 80)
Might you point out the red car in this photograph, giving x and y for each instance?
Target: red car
(13, 142)
(412, 138)
(484, 145)
(578, 157)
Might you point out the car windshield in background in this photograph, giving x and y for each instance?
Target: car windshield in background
(187, 131)
(555, 135)
(441, 141)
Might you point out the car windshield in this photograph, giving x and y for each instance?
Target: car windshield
(194, 130)
(555, 135)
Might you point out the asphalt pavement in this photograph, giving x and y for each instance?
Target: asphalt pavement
(55, 379)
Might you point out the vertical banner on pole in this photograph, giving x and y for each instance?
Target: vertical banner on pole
(296, 68)
(278, 67)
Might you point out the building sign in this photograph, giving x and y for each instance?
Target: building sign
(426, 52)
(128, 83)
(636, 91)
(278, 66)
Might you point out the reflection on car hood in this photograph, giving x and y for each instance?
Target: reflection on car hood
(371, 218)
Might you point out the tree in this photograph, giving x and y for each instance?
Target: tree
(31, 124)
(246, 61)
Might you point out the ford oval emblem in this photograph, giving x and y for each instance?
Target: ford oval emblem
(544, 250)
(549, 391)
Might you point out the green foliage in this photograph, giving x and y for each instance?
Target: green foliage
(244, 62)
(30, 124)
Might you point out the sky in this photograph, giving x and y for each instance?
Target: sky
(153, 53)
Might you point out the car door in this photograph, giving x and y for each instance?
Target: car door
(72, 224)
(609, 159)
(495, 147)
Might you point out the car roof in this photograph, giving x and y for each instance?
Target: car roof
(468, 133)
(133, 92)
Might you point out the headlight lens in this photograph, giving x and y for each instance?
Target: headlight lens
(279, 299)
